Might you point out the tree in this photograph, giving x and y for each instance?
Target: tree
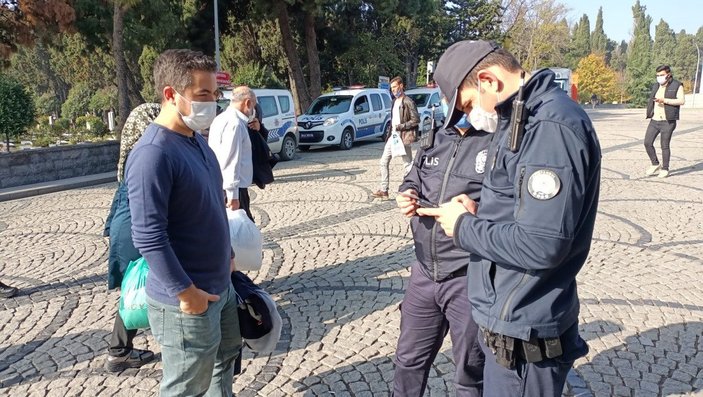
(540, 37)
(664, 44)
(639, 57)
(254, 75)
(78, 101)
(595, 77)
(16, 109)
(581, 41)
(301, 96)
(684, 60)
(599, 41)
(24, 22)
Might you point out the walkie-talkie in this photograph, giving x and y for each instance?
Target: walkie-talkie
(517, 119)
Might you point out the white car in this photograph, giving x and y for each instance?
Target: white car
(345, 116)
(278, 117)
(427, 100)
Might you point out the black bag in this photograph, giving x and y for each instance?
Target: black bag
(254, 317)
(261, 157)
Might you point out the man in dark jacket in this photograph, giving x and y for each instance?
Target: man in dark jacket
(665, 100)
(436, 300)
(404, 122)
(532, 233)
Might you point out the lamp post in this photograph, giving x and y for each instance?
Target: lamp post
(695, 78)
(217, 38)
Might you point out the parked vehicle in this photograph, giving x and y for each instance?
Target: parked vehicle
(278, 117)
(345, 116)
(427, 100)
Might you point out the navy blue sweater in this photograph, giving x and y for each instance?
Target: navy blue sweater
(179, 224)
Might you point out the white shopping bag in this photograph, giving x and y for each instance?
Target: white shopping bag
(246, 241)
(397, 147)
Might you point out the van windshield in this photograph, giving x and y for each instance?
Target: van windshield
(330, 104)
(419, 99)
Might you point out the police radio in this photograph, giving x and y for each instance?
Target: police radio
(427, 138)
(517, 119)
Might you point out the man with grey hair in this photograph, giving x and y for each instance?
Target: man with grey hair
(229, 139)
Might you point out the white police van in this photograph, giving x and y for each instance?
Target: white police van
(345, 116)
(427, 100)
(278, 117)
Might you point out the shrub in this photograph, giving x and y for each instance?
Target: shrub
(97, 127)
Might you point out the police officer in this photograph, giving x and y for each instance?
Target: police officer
(532, 232)
(451, 162)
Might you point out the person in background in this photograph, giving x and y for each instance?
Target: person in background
(229, 139)
(663, 108)
(118, 226)
(404, 122)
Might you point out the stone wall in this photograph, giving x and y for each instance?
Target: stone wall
(49, 164)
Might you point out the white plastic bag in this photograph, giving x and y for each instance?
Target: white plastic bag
(397, 147)
(246, 241)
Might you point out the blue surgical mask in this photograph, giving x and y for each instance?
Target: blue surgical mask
(398, 93)
(463, 122)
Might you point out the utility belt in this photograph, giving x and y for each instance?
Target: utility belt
(508, 349)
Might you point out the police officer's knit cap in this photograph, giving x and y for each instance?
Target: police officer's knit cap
(453, 66)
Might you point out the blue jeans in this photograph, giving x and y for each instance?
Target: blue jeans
(197, 351)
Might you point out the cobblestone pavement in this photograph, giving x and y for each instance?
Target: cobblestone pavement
(335, 261)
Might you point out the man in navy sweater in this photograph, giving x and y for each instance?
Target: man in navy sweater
(180, 227)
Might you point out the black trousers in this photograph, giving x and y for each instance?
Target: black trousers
(666, 129)
(121, 338)
(245, 202)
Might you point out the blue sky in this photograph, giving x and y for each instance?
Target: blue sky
(617, 15)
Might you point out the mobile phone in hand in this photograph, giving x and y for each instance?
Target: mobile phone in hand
(420, 201)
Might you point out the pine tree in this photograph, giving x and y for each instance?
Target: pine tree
(640, 75)
(683, 65)
(599, 41)
(664, 45)
(580, 41)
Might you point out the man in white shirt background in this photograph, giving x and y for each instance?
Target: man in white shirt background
(229, 139)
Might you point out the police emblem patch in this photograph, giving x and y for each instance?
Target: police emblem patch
(543, 184)
(481, 158)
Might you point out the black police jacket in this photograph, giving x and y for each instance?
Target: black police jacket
(454, 165)
(533, 229)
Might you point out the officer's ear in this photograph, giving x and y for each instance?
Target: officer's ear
(489, 81)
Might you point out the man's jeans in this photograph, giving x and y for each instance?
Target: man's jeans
(386, 159)
(197, 351)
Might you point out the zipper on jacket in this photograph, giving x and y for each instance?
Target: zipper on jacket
(519, 191)
(433, 236)
(506, 305)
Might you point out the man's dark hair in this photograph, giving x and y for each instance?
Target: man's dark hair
(397, 79)
(175, 68)
(499, 57)
(665, 68)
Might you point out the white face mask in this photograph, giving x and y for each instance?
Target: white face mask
(201, 114)
(483, 120)
(661, 79)
(252, 116)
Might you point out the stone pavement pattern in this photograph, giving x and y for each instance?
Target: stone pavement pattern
(336, 263)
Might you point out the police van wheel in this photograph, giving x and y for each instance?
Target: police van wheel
(347, 140)
(304, 148)
(287, 148)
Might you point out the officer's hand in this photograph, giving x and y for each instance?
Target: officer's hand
(446, 215)
(406, 203)
(233, 204)
(467, 202)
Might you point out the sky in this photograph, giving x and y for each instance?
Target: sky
(617, 15)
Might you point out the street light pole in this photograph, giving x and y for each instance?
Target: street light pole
(217, 38)
(695, 78)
